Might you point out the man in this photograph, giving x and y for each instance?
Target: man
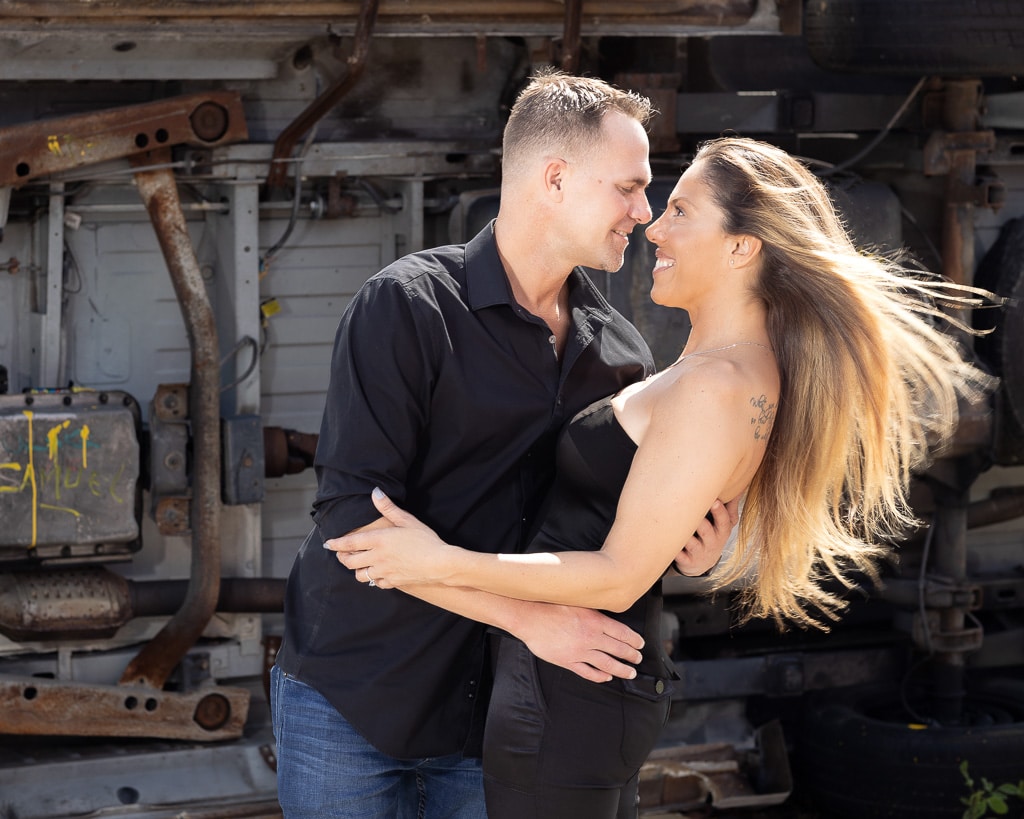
(453, 370)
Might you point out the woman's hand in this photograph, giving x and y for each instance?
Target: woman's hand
(409, 552)
(704, 550)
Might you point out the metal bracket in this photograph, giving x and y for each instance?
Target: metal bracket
(935, 593)
(941, 145)
(940, 152)
(40, 148)
(927, 632)
(34, 706)
(168, 461)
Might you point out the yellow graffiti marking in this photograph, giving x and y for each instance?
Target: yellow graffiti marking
(21, 486)
(53, 144)
(64, 476)
(53, 508)
(113, 483)
(14, 467)
(51, 438)
(85, 445)
(78, 478)
(53, 449)
(30, 475)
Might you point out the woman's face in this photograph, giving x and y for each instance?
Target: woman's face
(693, 250)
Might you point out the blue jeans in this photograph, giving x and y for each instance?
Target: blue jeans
(326, 770)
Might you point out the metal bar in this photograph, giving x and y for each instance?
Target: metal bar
(571, 36)
(154, 663)
(332, 9)
(37, 149)
(960, 112)
(48, 360)
(35, 706)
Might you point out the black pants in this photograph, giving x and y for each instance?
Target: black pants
(559, 747)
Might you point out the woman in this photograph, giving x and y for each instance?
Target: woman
(812, 381)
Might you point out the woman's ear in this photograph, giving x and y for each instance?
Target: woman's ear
(745, 249)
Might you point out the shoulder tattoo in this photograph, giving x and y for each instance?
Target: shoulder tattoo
(762, 418)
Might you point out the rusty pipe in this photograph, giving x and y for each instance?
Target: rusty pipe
(571, 36)
(154, 663)
(317, 109)
(1003, 504)
(237, 595)
(960, 113)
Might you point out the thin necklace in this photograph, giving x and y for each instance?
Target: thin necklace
(719, 349)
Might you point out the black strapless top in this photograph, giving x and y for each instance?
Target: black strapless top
(593, 459)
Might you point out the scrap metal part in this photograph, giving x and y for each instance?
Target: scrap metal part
(35, 706)
(145, 134)
(686, 777)
(36, 149)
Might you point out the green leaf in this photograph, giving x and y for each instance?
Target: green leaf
(998, 805)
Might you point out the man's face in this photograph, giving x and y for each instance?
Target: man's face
(606, 194)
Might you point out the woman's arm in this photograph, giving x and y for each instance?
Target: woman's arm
(581, 640)
(698, 446)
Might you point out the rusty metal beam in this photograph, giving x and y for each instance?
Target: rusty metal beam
(35, 706)
(56, 10)
(40, 148)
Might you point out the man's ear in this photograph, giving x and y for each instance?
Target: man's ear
(554, 176)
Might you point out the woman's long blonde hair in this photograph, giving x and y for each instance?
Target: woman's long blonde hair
(869, 387)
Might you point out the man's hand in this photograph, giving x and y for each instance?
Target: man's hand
(583, 641)
(704, 549)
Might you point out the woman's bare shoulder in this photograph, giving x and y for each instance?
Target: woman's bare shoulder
(719, 388)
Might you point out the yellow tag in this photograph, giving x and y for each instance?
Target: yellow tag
(270, 307)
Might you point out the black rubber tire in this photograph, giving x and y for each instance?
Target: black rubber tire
(857, 760)
(1002, 272)
(946, 38)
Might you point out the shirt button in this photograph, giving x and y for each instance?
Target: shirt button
(552, 339)
(659, 687)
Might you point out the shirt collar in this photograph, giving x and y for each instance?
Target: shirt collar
(487, 283)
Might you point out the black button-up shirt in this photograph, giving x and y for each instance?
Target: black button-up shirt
(448, 395)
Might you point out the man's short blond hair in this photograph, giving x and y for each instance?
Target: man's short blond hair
(559, 114)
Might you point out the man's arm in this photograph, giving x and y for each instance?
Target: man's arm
(583, 641)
